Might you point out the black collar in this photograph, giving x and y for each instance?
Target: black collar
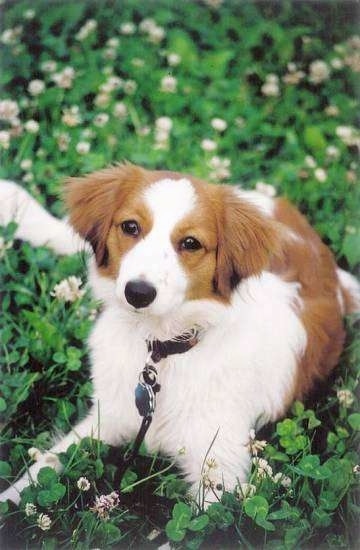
(161, 349)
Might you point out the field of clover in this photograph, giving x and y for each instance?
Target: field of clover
(264, 94)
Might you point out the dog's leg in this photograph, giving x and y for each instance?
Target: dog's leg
(221, 463)
(35, 224)
(89, 427)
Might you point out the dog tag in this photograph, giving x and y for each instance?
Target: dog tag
(144, 399)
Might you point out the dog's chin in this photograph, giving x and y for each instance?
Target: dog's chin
(157, 310)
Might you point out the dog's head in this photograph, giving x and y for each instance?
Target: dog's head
(161, 239)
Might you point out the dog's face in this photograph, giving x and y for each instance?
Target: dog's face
(163, 239)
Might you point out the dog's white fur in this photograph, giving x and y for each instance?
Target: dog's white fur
(235, 379)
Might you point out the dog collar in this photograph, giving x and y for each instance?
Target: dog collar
(180, 344)
(148, 386)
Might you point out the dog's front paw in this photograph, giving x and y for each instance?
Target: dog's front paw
(10, 494)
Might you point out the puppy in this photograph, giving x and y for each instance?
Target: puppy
(174, 255)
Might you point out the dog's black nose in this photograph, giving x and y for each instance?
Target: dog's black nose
(139, 293)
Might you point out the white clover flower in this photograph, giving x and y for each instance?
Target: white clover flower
(29, 14)
(88, 133)
(146, 25)
(32, 126)
(353, 61)
(41, 153)
(104, 504)
(208, 145)
(64, 79)
(92, 316)
(211, 463)
(127, 28)
(284, 480)
(173, 59)
(220, 168)
(337, 63)
(101, 119)
(28, 177)
(156, 34)
(344, 132)
(144, 131)
(164, 123)
(332, 110)
(83, 484)
(63, 140)
(9, 36)
(34, 453)
(219, 124)
(168, 84)
(89, 26)
(26, 164)
(161, 136)
(349, 135)
(354, 42)
(263, 468)
(16, 128)
(130, 87)
(36, 87)
(345, 397)
(113, 42)
(120, 109)
(319, 71)
(332, 152)
(4, 139)
(265, 189)
(109, 53)
(30, 509)
(102, 100)
(44, 522)
(255, 445)
(320, 174)
(272, 78)
(4, 246)
(83, 147)
(271, 86)
(68, 290)
(309, 161)
(292, 67)
(138, 62)
(240, 122)
(71, 116)
(112, 83)
(356, 469)
(246, 490)
(48, 66)
(350, 229)
(9, 109)
(293, 77)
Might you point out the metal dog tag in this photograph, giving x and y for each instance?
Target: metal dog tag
(145, 399)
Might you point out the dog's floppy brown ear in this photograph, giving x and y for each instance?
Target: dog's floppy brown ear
(93, 199)
(247, 240)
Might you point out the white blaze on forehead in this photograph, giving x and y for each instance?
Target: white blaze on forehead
(169, 201)
(154, 258)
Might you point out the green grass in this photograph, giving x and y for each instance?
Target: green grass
(293, 140)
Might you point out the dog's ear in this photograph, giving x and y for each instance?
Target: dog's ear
(247, 241)
(92, 200)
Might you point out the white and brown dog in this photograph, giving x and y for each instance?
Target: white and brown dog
(172, 253)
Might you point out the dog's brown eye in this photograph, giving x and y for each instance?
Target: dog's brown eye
(130, 227)
(190, 243)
